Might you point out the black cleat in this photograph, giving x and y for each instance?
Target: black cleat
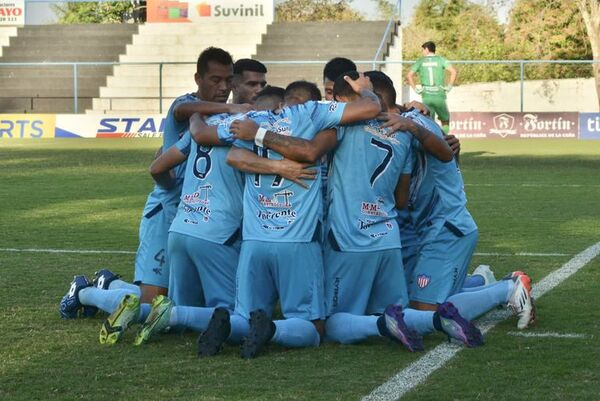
(211, 340)
(262, 330)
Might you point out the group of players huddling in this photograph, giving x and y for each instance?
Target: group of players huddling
(350, 212)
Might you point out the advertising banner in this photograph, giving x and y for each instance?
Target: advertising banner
(111, 126)
(514, 125)
(210, 10)
(12, 12)
(27, 126)
(589, 126)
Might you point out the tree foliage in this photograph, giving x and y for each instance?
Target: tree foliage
(316, 10)
(94, 13)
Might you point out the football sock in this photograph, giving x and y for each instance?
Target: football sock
(473, 304)
(144, 312)
(420, 321)
(107, 300)
(239, 329)
(296, 333)
(474, 280)
(346, 328)
(124, 285)
(191, 317)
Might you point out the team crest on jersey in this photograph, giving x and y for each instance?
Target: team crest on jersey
(280, 199)
(423, 280)
(332, 107)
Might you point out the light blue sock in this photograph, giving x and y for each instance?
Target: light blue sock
(296, 333)
(124, 285)
(420, 321)
(144, 312)
(346, 328)
(239, 329)
(107, 300)
(474, 280)
(191, 317)
(473, 304)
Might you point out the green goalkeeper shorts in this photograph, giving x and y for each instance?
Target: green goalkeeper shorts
(437, 106)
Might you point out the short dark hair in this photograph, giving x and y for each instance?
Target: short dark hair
(247, 64)
(303, 89)
(336, 67)
(429, 46)
(271, 91)
(341, 87)
(383, 86)
(214, 54)
(269, 97)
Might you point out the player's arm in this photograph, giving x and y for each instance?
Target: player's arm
(161, 167)
(410, 77)
(432, 143)
(401, 191)
(365, 108)
(248, 162)
(183, 111)
(453, 74)
(202, 133)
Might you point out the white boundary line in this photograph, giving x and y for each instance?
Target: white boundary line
(418, 371)
(91, 251)
(534, 185)
(547, 334)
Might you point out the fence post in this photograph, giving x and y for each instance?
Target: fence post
(160, 87)
(75, 90)
(522, 75)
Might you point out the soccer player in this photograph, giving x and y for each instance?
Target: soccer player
(333, 69)
(249, 78)
(431, 69)
(281, 222)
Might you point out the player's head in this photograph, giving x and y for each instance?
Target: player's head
(214, 72)
(299, 92)
(383, 86)
(428, 48)
(248, 79)
(270, 98)
(342, 91)
(333, 69)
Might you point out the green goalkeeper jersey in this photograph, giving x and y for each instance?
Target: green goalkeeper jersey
(431, 70)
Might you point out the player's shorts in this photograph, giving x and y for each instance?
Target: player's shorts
(437, 106)
(363, 283)
(202, 272)
(410, 255)
(290, 271)
(151, 264)
(441, 267)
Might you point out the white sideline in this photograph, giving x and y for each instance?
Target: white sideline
(546, 334)
(418, 371)
(535, 185)
(535, 254)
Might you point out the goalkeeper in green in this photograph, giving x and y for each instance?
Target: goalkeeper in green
(431, 69)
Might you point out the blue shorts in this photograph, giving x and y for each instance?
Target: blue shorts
(202, 272)
(151, 264)
(363, 283)
(409, 260)
(290, 271)
(441, 267)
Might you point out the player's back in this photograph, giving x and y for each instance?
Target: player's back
(365, 172)
(431, 70)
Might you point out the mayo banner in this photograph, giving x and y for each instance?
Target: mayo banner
(514, 125)
(27, 126)
(210, 10)
(12, 12)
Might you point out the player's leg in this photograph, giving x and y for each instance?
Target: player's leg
(443, 114)
(431, 103)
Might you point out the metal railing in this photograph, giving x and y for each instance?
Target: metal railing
(77, 66)
(394, 18)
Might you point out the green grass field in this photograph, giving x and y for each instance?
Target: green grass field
(539, 196)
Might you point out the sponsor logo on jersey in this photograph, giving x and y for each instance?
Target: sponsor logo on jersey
(280, 199)
(373, 209)
(198, 196)
(373, 128)
(203, 210)
(366, 224)
(378, 235)
(423, 280)
(188, 221)
(289, 214)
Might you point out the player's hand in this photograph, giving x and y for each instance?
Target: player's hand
(240, 108)
(417, 105)
(395, 122)
(419, 89)
(359, 84)
(447, 88)
(453, 142)
(296, 172)
(244, 129)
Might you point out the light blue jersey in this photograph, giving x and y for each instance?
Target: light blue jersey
(211, 198)
(275, 209)
(437, 196)
(366, 169)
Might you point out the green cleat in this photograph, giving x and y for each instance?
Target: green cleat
(157, 321)
(115, 325)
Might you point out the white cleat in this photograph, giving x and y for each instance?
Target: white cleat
(486, 273)
(521, 302)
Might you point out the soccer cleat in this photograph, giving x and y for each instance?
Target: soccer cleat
(114, 326)
(103, 278)
(69, 304)
(396, 329)
(262, 330)
(218, 330)
(521, 302)
(512, 275)
(457, 327)
(486, 273)
(157, 321)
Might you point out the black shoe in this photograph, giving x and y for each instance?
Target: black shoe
(262, 330)
(218, 330)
